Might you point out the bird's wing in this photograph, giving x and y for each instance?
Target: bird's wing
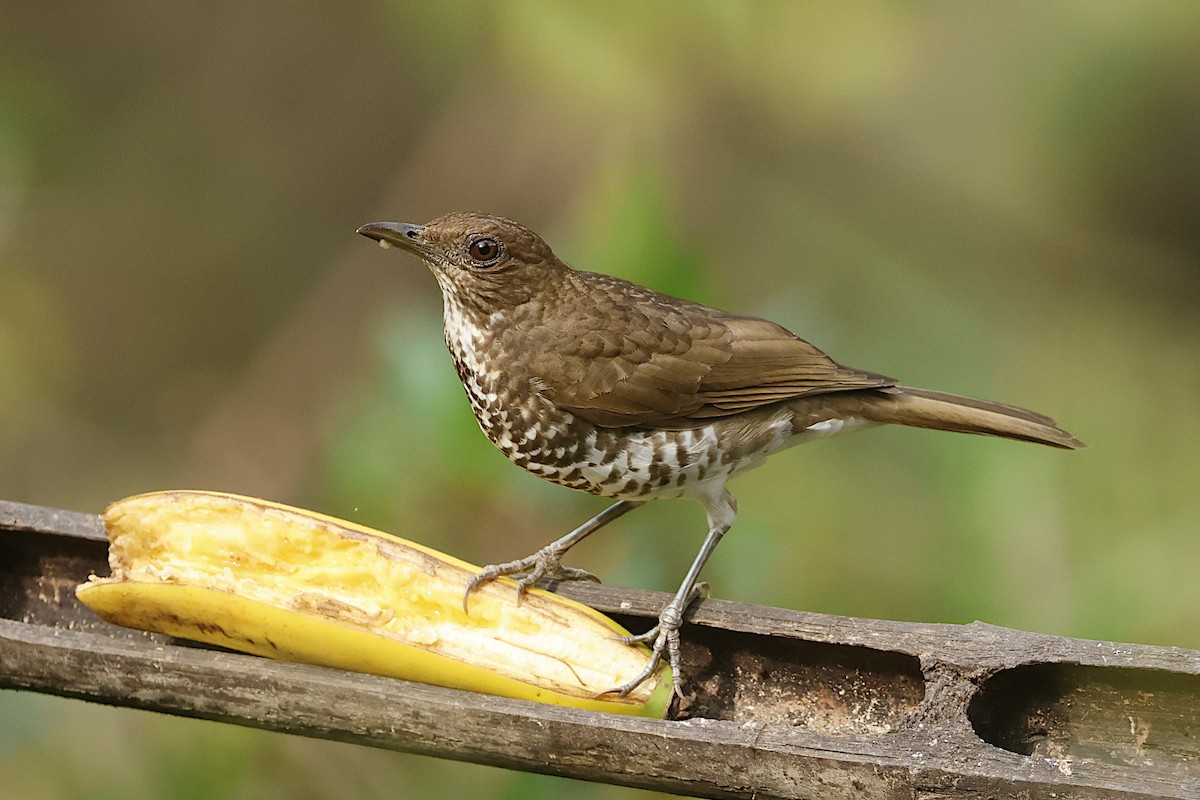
(659, 361)
(769, 363)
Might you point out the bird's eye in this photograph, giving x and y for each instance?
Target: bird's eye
(485, 249)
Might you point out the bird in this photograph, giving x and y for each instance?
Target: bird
(608, 387)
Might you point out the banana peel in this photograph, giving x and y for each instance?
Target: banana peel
(282, 582)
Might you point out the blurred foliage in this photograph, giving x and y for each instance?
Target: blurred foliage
(998, 200)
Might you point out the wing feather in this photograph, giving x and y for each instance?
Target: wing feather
(665, 362)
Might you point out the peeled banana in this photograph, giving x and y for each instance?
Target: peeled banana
(286, 583)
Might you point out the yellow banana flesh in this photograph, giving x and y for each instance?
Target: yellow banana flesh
(286, 583)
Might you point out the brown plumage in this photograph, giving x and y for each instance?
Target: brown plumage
(611, 388)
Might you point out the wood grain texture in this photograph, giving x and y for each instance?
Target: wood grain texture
(787, 704)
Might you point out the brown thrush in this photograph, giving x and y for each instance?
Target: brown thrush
(608, 387)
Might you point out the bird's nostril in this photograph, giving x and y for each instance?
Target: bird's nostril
(411, 234)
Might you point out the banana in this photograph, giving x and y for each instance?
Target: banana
(282, 582)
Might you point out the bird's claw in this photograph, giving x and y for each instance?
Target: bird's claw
(545, 563)
(664, 636)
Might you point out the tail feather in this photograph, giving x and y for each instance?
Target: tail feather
(922, 408)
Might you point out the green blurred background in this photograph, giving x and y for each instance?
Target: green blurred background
(992, 199)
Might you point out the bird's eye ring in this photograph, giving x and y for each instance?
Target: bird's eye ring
(484, 249)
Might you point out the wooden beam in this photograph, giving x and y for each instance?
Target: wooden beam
(786, 704)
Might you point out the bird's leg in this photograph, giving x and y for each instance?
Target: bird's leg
(665, 635)
(546, 563)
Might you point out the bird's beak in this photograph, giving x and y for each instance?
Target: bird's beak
(401, 234)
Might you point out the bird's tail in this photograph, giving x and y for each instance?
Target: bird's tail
(922, 408)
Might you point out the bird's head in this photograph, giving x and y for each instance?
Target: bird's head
(486, 263)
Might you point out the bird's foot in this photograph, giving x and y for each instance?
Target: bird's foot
(545, 563)
(662, 638)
